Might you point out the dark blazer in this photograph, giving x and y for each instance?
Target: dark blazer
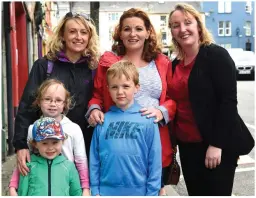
(213, 97)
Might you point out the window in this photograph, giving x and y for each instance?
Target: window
(164, 38)
(226, 46)
(248, 28)
(248, 7)
(228, 28)
(113, 16)
(163, 20)
(224, 28)
(224, 7)
(221, 28)
(110, 33)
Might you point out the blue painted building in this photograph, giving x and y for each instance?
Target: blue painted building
(231, 23)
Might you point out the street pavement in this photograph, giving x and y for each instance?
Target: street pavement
(7, 169)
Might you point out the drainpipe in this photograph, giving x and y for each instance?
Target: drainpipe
(14, 53)
(29, 37)
(10, 112)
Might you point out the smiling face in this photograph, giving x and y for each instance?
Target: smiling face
(122, 91)
(53, 101)
(76, 37)
(49, 148)
(133, 34)
(184, 29)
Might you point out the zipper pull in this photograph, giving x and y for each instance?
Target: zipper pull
(49, 162)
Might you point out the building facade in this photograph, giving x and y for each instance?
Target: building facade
(110, 13)
(231, 23)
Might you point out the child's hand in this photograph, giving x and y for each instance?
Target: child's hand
(86, 192)
(12, 191)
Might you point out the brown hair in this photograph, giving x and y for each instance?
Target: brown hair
(43, 88)
(55, 44)
(205, 37)
(151, 45)
(126, 68)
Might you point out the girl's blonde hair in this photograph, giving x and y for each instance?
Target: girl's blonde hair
(55, 44)
(205, 37)
(43, 88)
(151, 45)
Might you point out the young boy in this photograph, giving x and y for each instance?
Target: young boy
(51, 174)
(125, 155)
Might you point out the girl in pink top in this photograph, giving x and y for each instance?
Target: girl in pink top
(53, 100)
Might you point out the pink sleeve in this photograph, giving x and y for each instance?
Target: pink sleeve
(15, 179)
(82, 168)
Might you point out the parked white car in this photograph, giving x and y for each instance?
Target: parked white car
(245, 62)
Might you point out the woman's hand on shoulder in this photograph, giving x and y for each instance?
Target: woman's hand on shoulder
(23, 156)
(152, 112)
(213, 157)
(96, 117)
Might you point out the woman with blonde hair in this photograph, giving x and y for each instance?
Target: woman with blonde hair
(72, 57)
(210, 133)
(135, 40)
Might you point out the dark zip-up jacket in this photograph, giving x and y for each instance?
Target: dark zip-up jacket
(77, 78)
(213, 95)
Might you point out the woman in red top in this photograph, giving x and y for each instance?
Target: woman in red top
(210, 133)
(135, 40)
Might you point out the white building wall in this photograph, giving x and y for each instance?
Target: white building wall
(105, 43)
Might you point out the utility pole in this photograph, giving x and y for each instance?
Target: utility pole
(94, 13)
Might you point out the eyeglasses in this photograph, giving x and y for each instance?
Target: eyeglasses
(74, 14)
(58, 102)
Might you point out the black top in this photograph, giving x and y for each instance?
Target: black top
(77, 78)
(213, 96)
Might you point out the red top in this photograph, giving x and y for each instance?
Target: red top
(185, 126)
(102, 97)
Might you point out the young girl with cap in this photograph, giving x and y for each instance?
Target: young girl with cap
(55, 101)
(51, 174)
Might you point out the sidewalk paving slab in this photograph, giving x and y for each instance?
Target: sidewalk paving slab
(7, 169)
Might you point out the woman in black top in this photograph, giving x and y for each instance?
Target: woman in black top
(73, 54)
(210, 133)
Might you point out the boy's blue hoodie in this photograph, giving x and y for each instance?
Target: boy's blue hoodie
(125, 155)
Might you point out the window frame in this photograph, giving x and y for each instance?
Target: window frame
(248, 28)
(164, 21)
(221, 28)
(224, 28)
(248, 7)
(113, 16)
(224, 6)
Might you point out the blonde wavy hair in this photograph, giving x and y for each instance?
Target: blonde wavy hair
(205, 37)
(55, 44)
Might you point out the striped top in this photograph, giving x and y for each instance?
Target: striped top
(150, 86)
